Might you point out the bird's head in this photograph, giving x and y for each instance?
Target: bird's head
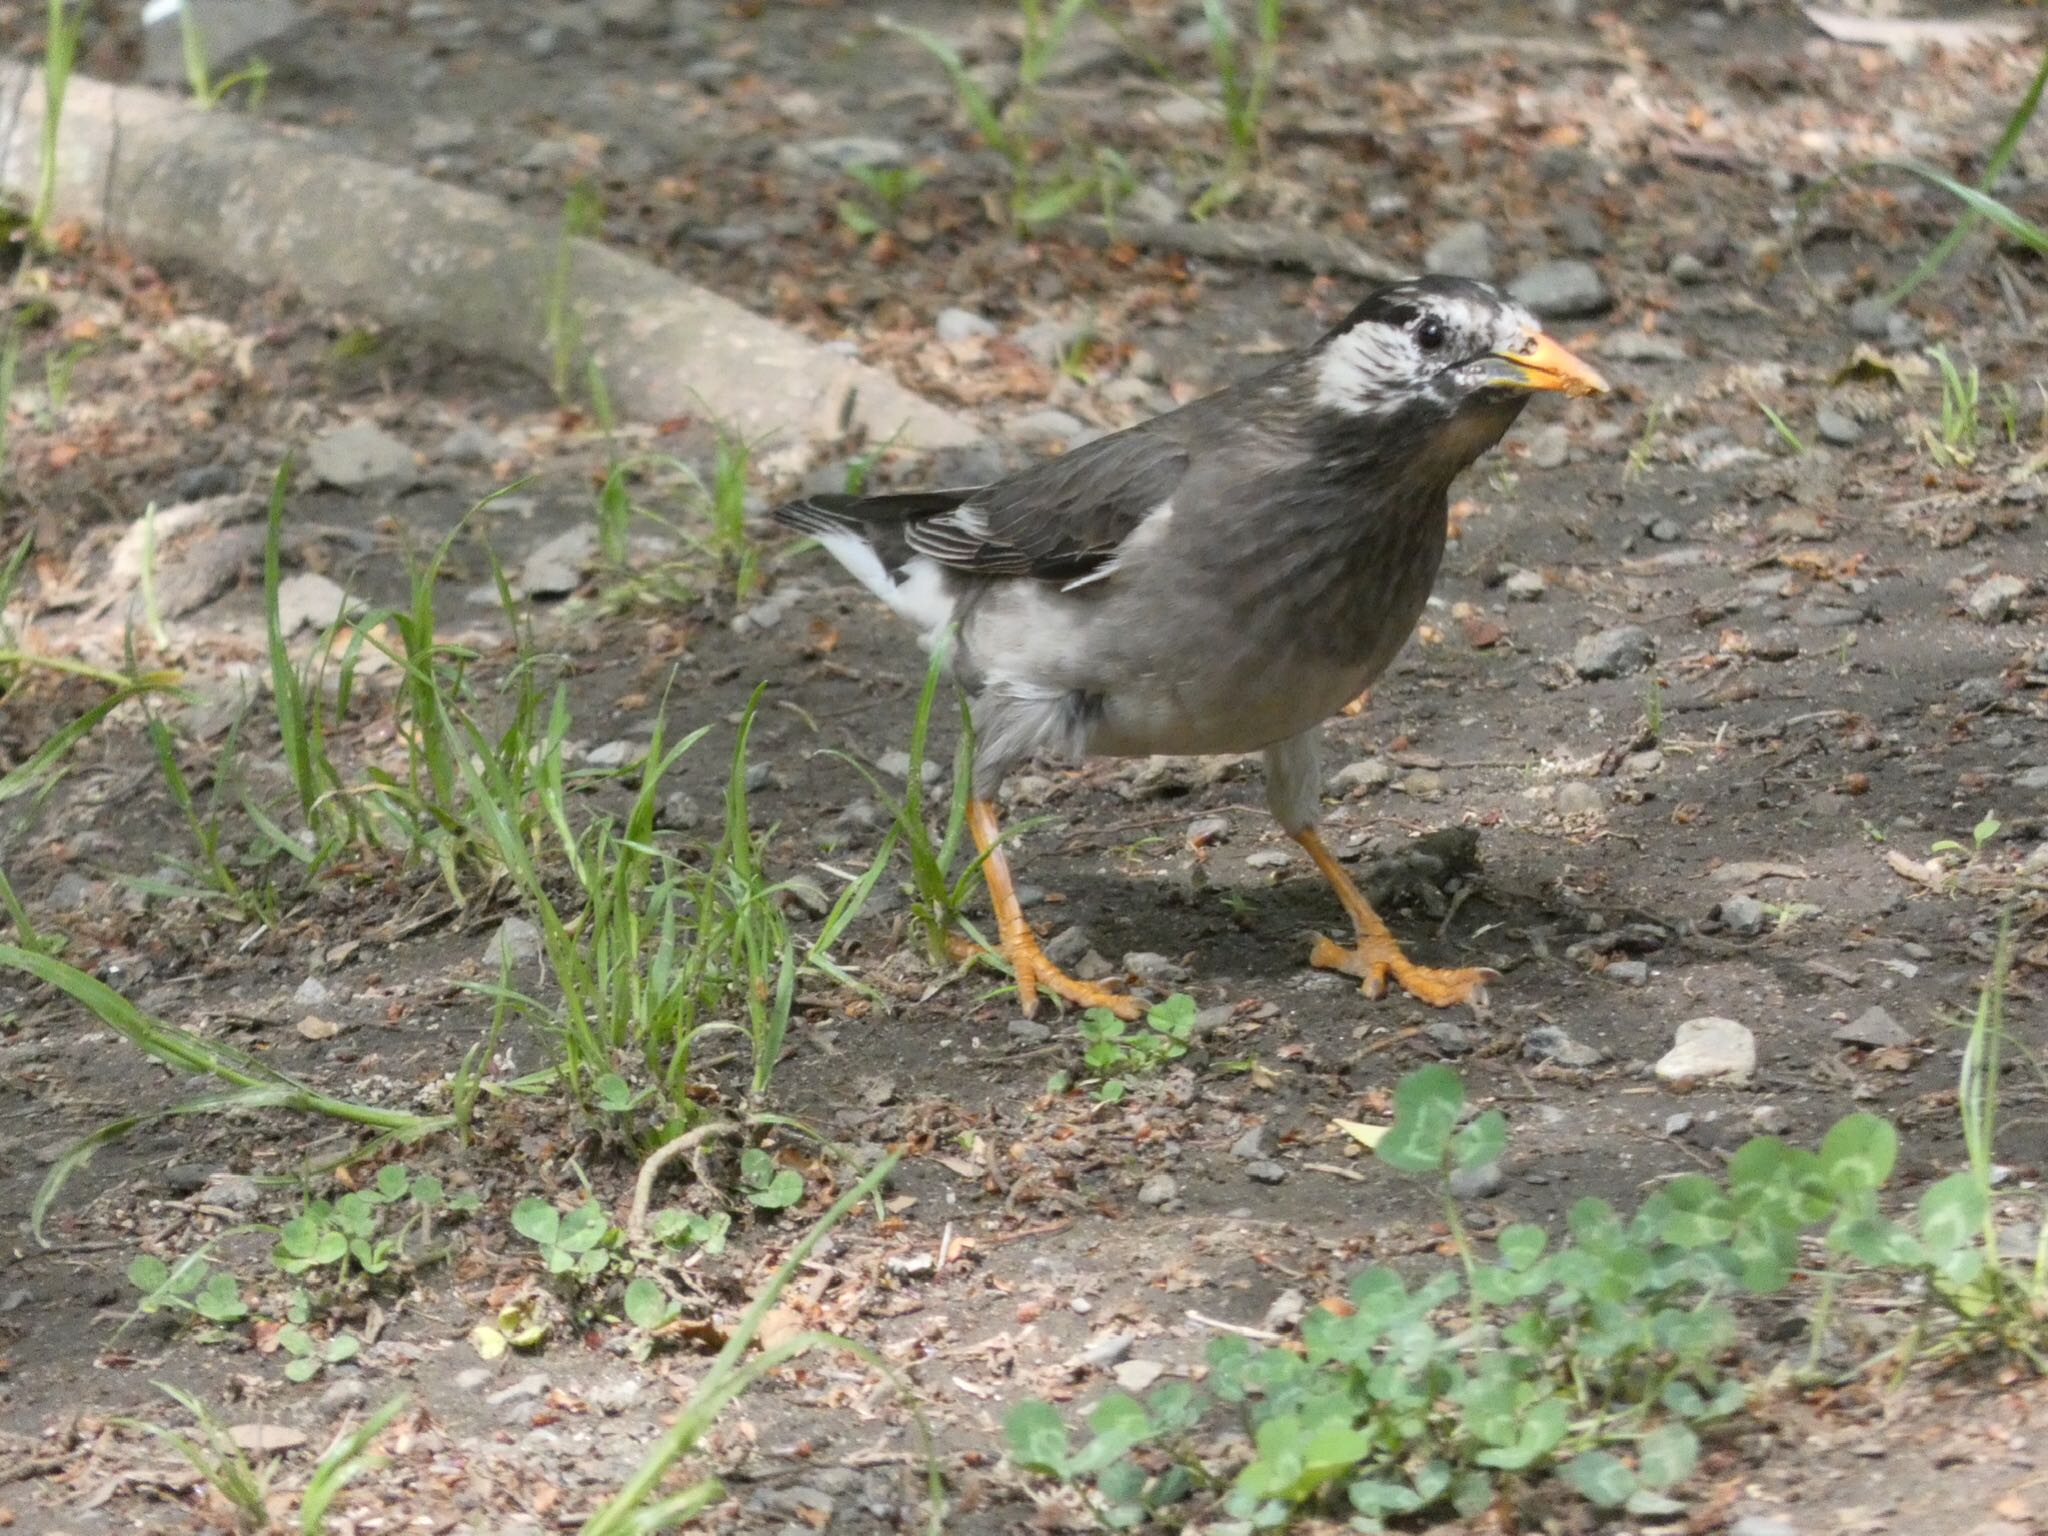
(1441, 365)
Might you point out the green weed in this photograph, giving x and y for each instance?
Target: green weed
(1037, 196)
(582, 217)
(62, 25)
(639, 1508)
(1597, 1360)
(1245, 73)
(1954, 440)
(1783, 428)
(207, 91)
(888, 190)
(1117, 1051)
(225, 1467)
(341, 1463)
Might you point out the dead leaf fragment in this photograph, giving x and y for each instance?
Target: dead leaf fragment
(1367, 1136)
(266, 1439)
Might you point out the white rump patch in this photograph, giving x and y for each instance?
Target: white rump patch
(922, 595)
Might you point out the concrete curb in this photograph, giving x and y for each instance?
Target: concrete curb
(272, 207)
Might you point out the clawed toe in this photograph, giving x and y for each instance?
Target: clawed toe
(1376, 964)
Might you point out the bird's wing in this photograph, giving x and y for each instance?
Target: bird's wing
(1063, 520)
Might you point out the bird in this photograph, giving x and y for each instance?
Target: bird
(1221, 578)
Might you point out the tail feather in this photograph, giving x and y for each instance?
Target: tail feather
(865, 534)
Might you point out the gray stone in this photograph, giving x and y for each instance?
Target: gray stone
(1029, 1032)
(1837, 426)
(1156, 970)
(1525, 586)
(517, 943)
(634, 18)
(1665, 530)
(1480, 1183)
(1550, 446)
(680, 812)
(1205, 830)
(1368, 773)
(1138, 1375)
(308, 600)
(1579, 228)
(525, 1388)
(760, 776)
(1614, 652)
(1051, 425)
(442, 135)
(1550, 1044)
(1687, 270)
(955, 324)
(359, 456)
(1269, 858)
(1678, 1124)
(1562, 290)
(468, 443)
(1709, 1049)
(1991, 600)
(1254, 1146)
(1744, 915)
(1576, 797)
(1158, 1189)
(1265, 1171)
(313, 993)
(1769, 1120)
(1872, 1027)
(861, 816)
(1643, 347)
(1464, 249)
(542, 42)
(1065, 948)
(70, 891)
(2031, 778)
(1827, 616)
(1629, 973)
(555, 568)
(1106, 1349)
(234, 1191)
(1871, 318)
(1763, 1525)
(1450, 1037)
(841, 154)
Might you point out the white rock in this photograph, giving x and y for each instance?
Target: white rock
(308, 601)
(1710, 1049)
(359, 456)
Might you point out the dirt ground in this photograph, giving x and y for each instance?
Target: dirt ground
(1835, 679)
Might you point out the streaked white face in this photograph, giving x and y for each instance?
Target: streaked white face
(1379, 366)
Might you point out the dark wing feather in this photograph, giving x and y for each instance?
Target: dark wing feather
(1059, 520)
(1056, 521)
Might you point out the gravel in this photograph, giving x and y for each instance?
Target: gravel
(1265, 1171)
(1744, 915)
(1158, 1189)
(1553, 1045)
(1562, 290)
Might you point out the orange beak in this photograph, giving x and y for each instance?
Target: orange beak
(1543, 364)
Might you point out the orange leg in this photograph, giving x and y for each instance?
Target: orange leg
(1376, 958)
(1020, 945)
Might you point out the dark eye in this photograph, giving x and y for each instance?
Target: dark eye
(1430, 333)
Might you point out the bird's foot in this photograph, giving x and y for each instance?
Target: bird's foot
(1036, 974)
(1377, 961)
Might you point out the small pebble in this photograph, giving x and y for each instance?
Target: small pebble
(1158, 1189)
(1264, 1171)
(1991, 600)
(1630, 973)
(1614, 652)
(1480, 1183)
(1255, 1145)
(1874, 1028)
(1743, 915)
(1550, 1044)
(1525, 586)
(1769, 1120)
(1838, 427)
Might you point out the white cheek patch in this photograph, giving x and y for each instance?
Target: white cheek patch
(1368, 370)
